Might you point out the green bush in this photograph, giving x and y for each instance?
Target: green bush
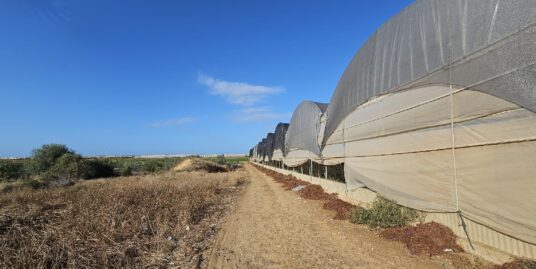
(11, 170)
(384, 213)
(141, 165)
(152, 166)
(44, 158)
(96, 168)
(54, 162)
(220, 159)
(126, 171)
(67, 167)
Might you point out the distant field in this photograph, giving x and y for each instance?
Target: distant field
(21, 169)
(229, 160)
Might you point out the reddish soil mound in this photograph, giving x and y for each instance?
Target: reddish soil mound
(341, 207)
(288, 182)
(311, 192)
(314, 192)
(293, 183)
(425, 238)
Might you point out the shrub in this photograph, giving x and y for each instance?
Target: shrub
(152, 166)
(385, 214)
(53, 162)
(45, 157)
(67, 167)
(220, 159)
(95, 168)
(11, 170)
(126, 171)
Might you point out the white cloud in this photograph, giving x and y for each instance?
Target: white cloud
(238, 93)
(172, 122)
(258, 114)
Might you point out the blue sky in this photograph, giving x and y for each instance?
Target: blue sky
(169, 77)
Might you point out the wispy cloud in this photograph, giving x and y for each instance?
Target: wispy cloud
(258, 114)
(172, 122)
(238, 93)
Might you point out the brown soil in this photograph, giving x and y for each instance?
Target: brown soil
(274, 228)
(287, 181)
(341, 208)
(293, 242)
(311, 192)
(314, 192)
(424, 239)
(429, 239)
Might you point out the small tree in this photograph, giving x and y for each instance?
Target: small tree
(54, 162)
(45, 157)
(67, 167)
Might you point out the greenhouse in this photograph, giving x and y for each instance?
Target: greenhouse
(279, 143)
(436, 111)
(301, 140)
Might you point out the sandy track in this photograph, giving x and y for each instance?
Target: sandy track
(273, 228)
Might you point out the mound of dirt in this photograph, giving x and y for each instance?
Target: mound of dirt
(287, 181)
(293, 182)
(311, 192)
(424, 239)
(314, 192)
(198, 164)
(341, 208)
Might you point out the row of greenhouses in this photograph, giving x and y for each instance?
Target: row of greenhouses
(436, 111)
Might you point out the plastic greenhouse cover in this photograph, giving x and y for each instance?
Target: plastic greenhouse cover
(269, 146)
(304, 127)
(489, 45)
(280, 132)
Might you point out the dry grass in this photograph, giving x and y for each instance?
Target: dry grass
(154, 221)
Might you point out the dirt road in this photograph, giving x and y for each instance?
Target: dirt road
(273, 228)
